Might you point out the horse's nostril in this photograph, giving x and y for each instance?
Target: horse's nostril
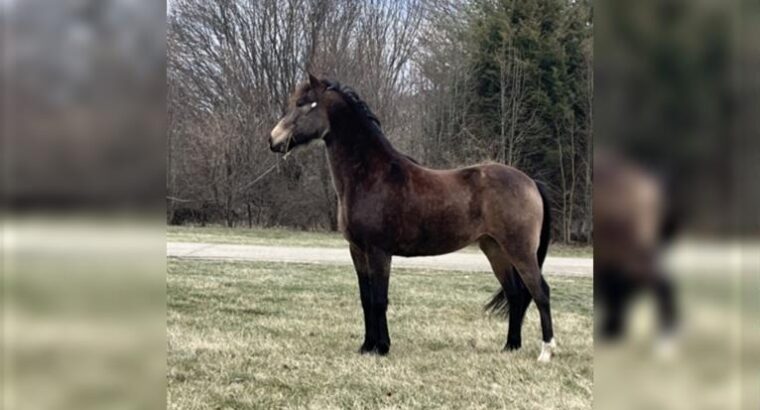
(273, 147)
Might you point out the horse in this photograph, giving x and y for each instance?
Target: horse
(388, 205)
(633, 222)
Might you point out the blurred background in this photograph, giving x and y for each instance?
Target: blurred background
(83, 119)
(676, 200)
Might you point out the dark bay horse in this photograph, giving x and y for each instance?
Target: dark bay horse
(390, 205)
(633, 221)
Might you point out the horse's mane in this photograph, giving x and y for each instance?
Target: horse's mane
(353, 100)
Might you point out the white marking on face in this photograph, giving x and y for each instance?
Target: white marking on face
(546, 351)
(280, 134)
(314, 104)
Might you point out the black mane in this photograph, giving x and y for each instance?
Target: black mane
(353, 100)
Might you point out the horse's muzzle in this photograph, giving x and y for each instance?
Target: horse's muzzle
(280, 148)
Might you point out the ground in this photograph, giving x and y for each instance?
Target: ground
(273, 335)
(289, 237)
(461, 261)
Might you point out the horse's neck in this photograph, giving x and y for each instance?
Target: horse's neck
(352, 162)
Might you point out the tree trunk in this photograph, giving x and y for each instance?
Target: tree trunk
(502, 157)
(250, 215)
(589, 151)
(563, 184)
(228, 211)
(571, 194)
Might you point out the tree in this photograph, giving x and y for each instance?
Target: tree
(453, 83)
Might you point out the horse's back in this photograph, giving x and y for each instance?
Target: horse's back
(491, 184)
(431, 211)
(499, 179)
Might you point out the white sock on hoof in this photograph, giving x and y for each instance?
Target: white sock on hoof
(666, 347)
(546, 351)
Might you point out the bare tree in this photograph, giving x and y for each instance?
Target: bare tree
(517, 121)
(234, 64)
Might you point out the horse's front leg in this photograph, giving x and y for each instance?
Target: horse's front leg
(373, 271)
(365, 293)
(380, 273)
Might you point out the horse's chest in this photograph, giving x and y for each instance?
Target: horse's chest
(366, 218)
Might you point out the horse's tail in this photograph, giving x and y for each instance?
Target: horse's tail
(546, 225)
(499, 303)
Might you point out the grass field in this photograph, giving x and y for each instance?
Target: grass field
(269, 335)
(288, 237)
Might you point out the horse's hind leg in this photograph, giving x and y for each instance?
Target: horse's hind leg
(526, 263)
(666, 308)
(513, 288)
(613, 291)
(518, 306)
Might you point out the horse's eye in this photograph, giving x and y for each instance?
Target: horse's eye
(306, 104)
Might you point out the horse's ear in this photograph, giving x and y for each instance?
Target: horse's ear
(316, 84)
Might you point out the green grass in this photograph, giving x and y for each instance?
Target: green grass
(273, 335)
(289, 237)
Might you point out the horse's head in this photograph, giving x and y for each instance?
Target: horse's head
(306, 119)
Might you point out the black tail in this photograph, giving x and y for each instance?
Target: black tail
(546, 226)
(499, 303)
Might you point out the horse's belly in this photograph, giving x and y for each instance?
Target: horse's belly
(412, 229)
(428, 250)
(430, 238)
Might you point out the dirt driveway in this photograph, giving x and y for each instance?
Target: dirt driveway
(458, 261)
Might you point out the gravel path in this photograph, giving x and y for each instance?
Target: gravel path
(458, 261)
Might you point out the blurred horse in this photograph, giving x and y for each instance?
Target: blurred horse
(632, 223)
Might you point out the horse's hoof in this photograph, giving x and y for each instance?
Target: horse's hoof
(666, 348)
(383, 348)
(512, 346)
(546, 351)
(367, 348)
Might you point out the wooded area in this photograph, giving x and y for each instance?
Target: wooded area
(452, 82)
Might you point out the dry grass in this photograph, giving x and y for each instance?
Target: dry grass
(254, 236)
(268, 335)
